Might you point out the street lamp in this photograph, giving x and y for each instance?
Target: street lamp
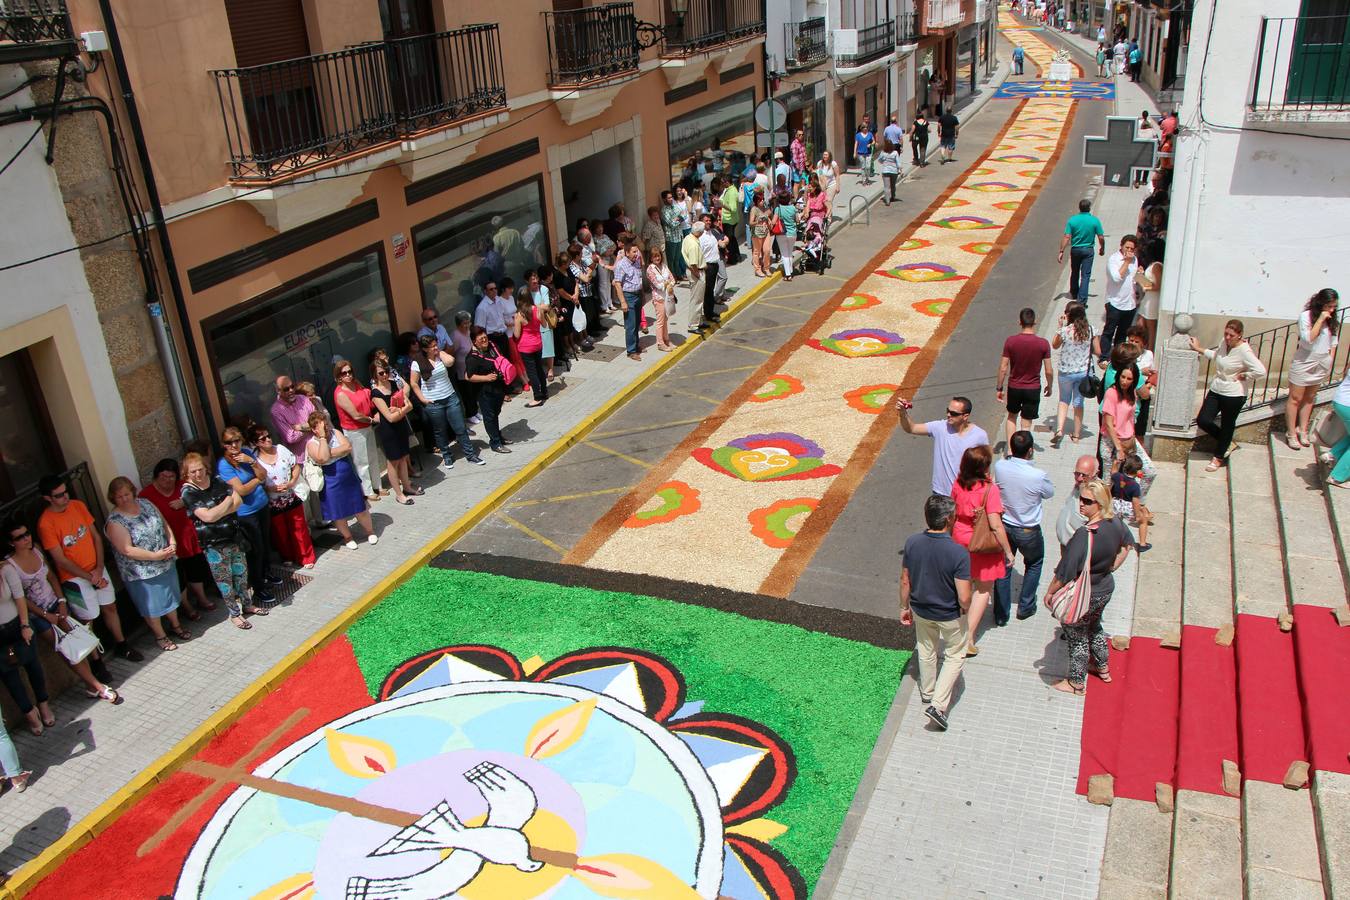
(650, 34)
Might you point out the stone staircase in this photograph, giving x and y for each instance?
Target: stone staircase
(1239, 555)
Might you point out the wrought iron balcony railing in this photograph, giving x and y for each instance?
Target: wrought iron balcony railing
(1302, 65)
(708, 23)
(907, 28)
(287, 116)
(874, 42)
(805, 43)
(943, 14)
(591, 44)
(35, 29)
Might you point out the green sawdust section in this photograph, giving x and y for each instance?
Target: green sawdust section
(826, 696)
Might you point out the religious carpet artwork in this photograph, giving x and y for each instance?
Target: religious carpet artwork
(774, 465)
(1071, 90)
(427, 754)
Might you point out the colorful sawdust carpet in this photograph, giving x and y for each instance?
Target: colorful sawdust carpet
(491, 738)
(772, 468)
(1072, 90)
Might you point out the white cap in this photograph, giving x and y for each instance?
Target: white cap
(778, 154)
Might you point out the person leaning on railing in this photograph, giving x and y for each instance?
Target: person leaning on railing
(1235, 367)
(1311, 366)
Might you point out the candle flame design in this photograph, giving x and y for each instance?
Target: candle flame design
(626, 875)
(559, 730)
(360, 756)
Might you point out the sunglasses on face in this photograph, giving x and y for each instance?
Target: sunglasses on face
(59, 495)
(955, 413)
(20, 535)
(288, 389)
(345, 372)
(233, 443)
(1087, 501)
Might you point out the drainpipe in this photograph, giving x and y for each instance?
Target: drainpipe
(163, 338)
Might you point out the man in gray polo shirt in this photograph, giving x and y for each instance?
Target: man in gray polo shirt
(934, 595)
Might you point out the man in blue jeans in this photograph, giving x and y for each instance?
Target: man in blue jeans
(1024, 489)
(628, 294)
(1080, 232)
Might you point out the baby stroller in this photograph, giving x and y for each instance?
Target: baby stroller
(815, 252)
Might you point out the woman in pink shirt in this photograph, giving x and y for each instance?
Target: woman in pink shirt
(1118, 415)
(973, 489)
(356, 415)
(530, 344)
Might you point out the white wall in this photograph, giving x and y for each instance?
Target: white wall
(1259, 221)
(35, 223)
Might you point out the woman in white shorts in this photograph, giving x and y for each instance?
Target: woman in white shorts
(1311, 366)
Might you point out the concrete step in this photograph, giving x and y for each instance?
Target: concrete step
(1207, 595)
(1258, 576)
(1280, 856)
(1206, 847)
(1331, 800)
(1158, 582)
(1338, 505)
(1312, 553)
(1138, 850)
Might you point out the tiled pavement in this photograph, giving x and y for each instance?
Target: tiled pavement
(988, 808)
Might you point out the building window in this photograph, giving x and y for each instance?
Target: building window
(28, 445)
(341, 312)
(499, 235)
(708, 140)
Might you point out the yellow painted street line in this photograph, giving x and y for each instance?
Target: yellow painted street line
(612, 452)
(702, 397)
(814, 293)
(624, 432)
(798, 324)
(562, 498)
(724, 341)
(716, 371)
(531, 533)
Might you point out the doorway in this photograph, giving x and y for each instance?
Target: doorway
(850, 129)
(590, 186)
(414, 75)
(28, 445)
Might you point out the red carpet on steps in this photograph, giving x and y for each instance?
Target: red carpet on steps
(1130, 725)
(1208, 731)
(1271, 709)
(1324, 677)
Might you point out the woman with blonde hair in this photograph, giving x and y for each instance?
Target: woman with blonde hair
(144, 549)
(342, 497)
(663, 292)
(213, 507)
(1111, 542)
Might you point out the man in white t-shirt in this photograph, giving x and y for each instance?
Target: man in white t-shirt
(1120, 300)
(951, 436)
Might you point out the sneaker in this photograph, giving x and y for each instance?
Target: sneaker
(477, 461)
(128, 652)
(261, 598)
(274, 581)
(500, 449)
(449, 463)
(475, 420)
(350, 545)
(373, 540)
(938, 717)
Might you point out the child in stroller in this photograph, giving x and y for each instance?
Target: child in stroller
(815, 252)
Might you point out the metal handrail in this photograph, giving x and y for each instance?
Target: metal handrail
(1302, 64)
(1275, 348)
(874, 42)
(943, 14)
(805, 42)
(597, 42)
(34, 21)
(867, 208)
(708, 23)
(286, 116)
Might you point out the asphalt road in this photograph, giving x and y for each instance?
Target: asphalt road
(853, 576)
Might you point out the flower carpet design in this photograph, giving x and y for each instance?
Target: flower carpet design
(849, 357)
(492, 738)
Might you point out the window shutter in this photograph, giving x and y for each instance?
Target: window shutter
(267, 31)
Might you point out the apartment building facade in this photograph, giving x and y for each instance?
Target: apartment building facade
(328, 168)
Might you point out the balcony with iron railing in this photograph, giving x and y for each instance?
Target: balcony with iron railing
(939, 14)
(907, 31)
(874, 42)
(1302, 70)
(805, 43)
(707, 24)
(591, 45)
(35, 29)
(290, 116)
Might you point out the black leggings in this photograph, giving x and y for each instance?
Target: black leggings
(258, 528)
(534, 368)
(25, 657)
(1218, 418)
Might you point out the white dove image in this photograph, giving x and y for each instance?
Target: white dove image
(511, 803)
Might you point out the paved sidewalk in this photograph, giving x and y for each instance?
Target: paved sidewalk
(988, 808)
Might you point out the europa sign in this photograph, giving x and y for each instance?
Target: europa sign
(306, 334)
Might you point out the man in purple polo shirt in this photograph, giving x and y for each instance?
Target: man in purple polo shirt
(628, 295)
(952, 437)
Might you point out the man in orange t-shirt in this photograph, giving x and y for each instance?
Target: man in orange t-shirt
(67, 531)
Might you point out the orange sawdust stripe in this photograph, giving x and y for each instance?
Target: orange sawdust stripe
(790, 566)
(612, 520)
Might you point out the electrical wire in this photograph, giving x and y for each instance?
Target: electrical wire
(329, 177)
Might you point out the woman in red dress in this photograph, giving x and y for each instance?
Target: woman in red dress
(974, 488)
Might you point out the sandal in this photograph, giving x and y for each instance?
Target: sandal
(417, 490)
(1214, 466)
(1069, 687)
(166, 644)
(1292, 440)
(403, 501)
(1104, 674)
(49, 721)
(182, 634)
(207, 605)
(192, 616)
(1057, 439)
(35, 726)
(20, 781)
(1075, 438)
(256, 610)
(241, 623)
(110, 695)
(1303, 439)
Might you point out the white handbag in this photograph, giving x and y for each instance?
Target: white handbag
(301, 488)
(77, 643)
(313, 475)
